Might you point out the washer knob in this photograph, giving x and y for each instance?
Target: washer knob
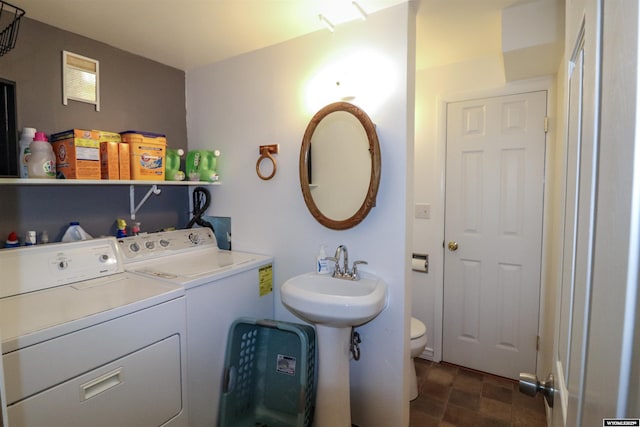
(134, 247)
(164, 243)
(150, 245)
(104, 258)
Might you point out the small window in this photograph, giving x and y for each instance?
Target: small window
(80, 79)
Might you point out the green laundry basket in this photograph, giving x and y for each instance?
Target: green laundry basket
(269, 375)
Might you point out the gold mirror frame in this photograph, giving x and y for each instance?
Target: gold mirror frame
(374, 181)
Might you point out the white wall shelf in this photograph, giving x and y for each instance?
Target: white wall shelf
(63, 182)
(134, 208)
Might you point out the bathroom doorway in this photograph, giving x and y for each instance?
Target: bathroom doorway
(493, 232)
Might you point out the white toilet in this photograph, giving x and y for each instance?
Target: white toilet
(418, 343)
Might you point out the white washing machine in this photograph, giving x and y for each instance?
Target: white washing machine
(85, 343)
(220, 286)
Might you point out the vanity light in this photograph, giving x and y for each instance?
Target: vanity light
(360, 10)
(327, 23)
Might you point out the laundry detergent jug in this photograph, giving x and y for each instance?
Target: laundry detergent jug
(42, 162)
(201, 165)
(172, 169)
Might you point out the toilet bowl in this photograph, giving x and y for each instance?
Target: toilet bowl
(418, 343)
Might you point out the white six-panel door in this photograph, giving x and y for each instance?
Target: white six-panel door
(493, 232)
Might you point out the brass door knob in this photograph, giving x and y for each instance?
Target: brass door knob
(453, 246)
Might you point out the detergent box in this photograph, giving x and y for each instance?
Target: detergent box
(110, 155)
(77, 154)
(147, 152)
(74, 133)
(109, 163)
(124, 161)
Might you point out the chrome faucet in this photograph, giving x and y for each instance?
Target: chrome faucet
(342, 249)
(344, 272)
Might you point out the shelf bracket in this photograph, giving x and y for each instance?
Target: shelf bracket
(132, 198)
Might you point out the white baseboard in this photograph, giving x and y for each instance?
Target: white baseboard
(427, 354)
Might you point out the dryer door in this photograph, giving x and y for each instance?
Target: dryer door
(141, 389)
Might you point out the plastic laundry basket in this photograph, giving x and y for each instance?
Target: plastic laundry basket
(269, 375)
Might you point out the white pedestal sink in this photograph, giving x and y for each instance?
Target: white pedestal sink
(335, 306)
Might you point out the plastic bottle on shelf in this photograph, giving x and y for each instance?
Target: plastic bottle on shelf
(172, 169)
(24, 152)
(42, 162)
(201, 165)
(30, 239)
(75, 233)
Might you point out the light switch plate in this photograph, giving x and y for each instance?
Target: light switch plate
(422, 211)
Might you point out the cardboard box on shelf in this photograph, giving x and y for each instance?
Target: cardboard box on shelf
(74, 133)
(77, 158)
(104, 135)
(109, 160)
(124, 160)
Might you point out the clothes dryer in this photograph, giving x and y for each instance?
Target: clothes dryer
(86, 343)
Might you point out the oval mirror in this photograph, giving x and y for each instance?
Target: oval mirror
(340, 165)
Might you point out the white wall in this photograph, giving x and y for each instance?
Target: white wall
(260, 98)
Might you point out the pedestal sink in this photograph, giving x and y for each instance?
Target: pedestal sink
(335, 306)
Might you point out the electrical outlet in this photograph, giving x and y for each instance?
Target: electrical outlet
(422, 210)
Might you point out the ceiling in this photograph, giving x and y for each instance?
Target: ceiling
(188, 33)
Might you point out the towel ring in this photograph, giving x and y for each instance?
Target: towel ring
(265, 153)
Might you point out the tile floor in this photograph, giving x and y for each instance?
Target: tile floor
(454, 396)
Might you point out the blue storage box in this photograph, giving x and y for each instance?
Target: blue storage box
(269, 375)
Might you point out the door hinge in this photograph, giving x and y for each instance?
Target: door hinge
(546, 124)
(537, 342)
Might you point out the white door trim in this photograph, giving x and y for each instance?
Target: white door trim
(545, 83)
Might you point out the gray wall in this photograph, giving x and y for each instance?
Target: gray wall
(136, 93)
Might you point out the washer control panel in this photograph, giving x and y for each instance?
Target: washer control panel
(38, 267)
(152, 245)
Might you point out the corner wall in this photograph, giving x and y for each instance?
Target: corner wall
(261, 98)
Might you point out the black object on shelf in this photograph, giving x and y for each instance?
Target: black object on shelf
(10, 16)
(8, 130)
